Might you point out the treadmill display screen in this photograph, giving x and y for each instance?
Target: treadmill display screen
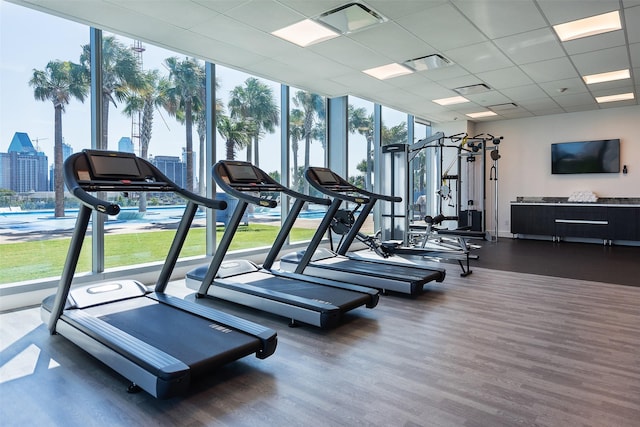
(106, 166)
(241, 173)
(325, 177)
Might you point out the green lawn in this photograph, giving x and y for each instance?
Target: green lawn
(45, 258)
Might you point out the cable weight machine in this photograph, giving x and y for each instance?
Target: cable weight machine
(453, 186)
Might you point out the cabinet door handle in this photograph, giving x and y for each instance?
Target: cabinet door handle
(582, 221)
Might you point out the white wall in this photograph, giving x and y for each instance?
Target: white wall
(525, 165)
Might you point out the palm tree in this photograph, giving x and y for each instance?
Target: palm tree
(362, 123)
(296, 132)
(237, 134)
(59, 82)
(201, 128)
(184, 100)
(255, 102)
(313, 112)
(145, 100)
(397, 134)
(120, 74)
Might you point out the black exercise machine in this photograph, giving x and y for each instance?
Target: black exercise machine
(316, 301)
(401, 276)
(157, 341)
(328, 182)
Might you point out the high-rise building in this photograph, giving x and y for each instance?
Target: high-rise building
(126, 145)
(67, 150)
(23, 169)
(172, 167)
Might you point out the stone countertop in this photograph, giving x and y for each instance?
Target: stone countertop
(600, 201)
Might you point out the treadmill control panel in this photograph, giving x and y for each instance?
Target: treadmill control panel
(99, 170)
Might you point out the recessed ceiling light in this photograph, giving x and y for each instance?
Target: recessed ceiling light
(613, 98)
(452, 100)
(607, 77)
(388, 71)
(481, 114)
(470, 90)
(429, 62)
(351, 17)
(305, 33)
(588, 26)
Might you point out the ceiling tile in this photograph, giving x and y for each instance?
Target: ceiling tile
(489, 98)
(495, 17)
(601, 61)
(575, 99)
(523, 93)
(593, 43)
(393, 41)
(347, 52)
(558, 12)
(564, 87)
(532, 46)
(479, 57)
(442, 27)
(267, 16)
(171, 11)
(553, 69)
(505, 78)
(632, 18)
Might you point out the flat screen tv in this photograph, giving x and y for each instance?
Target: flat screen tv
(601, 156)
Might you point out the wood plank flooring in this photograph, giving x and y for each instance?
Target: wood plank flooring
(492, 349)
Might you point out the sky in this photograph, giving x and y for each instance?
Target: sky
(29, 39)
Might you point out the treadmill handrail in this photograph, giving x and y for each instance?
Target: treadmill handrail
(264, 183)
(156, 183)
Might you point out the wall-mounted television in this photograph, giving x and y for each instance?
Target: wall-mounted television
(601, 156)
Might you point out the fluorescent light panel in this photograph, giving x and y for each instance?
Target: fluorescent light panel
(351, 17)
(589, 26)
(388, 71)
(482, 114)
(614, 98)
(607, 77)
(452, 100)
(305, 33)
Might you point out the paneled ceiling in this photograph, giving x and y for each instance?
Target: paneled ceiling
(508, 45)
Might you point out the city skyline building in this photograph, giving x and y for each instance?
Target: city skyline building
(23, 169)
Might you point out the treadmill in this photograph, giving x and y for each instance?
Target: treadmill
(157, 341)
(316, 301)
(402, 276)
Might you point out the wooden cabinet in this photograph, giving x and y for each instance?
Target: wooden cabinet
(625, 223)
(558, 220)
(532, 219)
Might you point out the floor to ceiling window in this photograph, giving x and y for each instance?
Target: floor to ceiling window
(45, 116)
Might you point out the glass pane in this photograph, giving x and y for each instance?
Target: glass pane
(148, 113)
(420, 170)
(307, 121)
(35, 220)
(360, 152)
(394, 127)
(249, 129)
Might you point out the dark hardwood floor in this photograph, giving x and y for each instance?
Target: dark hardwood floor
(586, 261)
(496, 348)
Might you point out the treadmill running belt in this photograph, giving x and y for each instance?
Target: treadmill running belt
(336, 296)
(406, 273)
(165, 327)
